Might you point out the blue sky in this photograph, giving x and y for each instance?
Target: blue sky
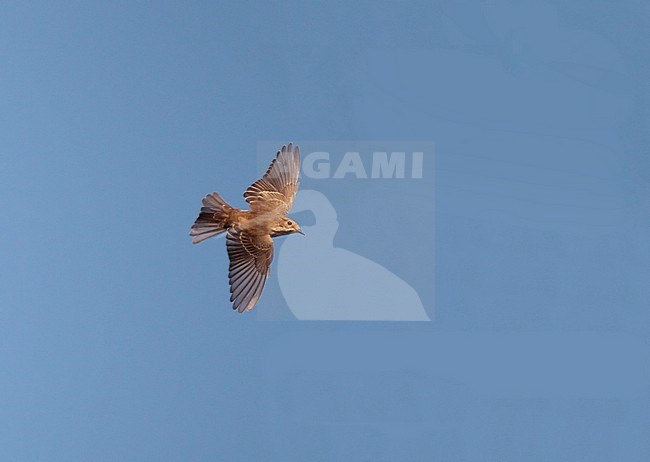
(116, 338)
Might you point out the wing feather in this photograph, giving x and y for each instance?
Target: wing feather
(250, 262)
(276, 190)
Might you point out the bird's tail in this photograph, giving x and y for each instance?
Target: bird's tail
(212, 220)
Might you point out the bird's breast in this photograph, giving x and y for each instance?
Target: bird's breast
(252, 222)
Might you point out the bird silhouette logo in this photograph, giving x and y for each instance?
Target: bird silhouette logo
(250, 233)
(365, 290)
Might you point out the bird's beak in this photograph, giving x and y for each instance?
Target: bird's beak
(300, 231)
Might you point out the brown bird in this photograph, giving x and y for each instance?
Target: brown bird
(249, 232)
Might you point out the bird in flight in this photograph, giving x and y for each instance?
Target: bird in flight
(249, 233)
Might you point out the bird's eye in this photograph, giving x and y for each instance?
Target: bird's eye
(289, 223)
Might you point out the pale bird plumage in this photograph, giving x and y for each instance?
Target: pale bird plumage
(249, 233)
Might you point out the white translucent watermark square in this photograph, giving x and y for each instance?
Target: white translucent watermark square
(367, 211)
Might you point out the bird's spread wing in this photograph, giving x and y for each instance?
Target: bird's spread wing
(275, 191)
(250, 261)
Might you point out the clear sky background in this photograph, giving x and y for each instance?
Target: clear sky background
(116, 338)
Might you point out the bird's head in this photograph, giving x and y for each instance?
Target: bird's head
(285, 225)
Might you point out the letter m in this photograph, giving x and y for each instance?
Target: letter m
(384, 166)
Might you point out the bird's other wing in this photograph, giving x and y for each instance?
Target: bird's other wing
(250, 262)
(275, 191)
